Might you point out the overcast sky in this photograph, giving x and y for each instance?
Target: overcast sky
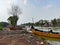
(38, 9)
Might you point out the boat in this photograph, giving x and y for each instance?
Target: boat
(46, 33)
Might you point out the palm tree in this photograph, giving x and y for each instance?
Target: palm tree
(46, 22)
(58, 21)
(54, 22)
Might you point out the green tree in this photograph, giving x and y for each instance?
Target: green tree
(1, 26)
(41, 22)
(13, 20)
(54, 22)
(47, 22)
(4, 24)
(58, 21)
(15, 11)
(37, 23)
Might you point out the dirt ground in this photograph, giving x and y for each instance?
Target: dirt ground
(21, 39)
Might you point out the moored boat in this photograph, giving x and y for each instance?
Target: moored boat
(46, 33)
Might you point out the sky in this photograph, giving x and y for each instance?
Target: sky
(36, 9)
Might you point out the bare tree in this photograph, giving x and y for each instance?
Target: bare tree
(14, 11)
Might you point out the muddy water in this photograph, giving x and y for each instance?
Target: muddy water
(53, 41)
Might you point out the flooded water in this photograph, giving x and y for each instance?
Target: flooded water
(53, 41)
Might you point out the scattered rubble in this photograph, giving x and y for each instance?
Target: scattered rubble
(22, 38)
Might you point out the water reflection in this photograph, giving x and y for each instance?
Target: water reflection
(53, 41)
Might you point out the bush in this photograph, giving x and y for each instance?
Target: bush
(1, 27)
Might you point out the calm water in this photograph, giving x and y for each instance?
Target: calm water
(53, 41)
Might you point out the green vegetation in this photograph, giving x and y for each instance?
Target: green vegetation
(1, 26)
(54, 22)
(13, 20)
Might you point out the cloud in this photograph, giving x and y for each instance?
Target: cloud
(25, 2)
(47, 6)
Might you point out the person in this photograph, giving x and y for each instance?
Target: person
(51, 31)
(32, 27)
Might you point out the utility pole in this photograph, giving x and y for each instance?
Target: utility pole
(32, 20)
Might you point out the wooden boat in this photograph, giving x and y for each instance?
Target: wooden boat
(45, 33)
